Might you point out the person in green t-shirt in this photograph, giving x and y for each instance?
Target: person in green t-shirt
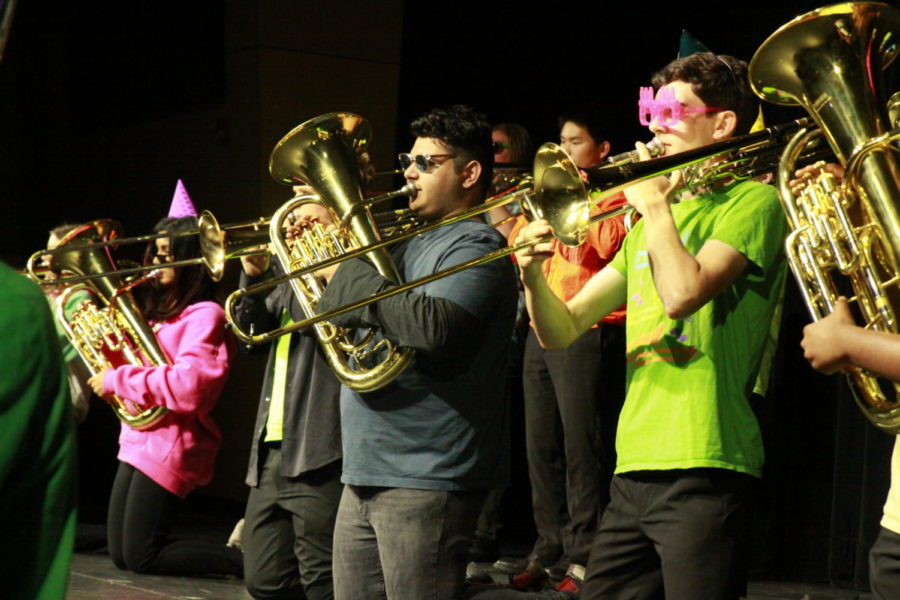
(701, 279)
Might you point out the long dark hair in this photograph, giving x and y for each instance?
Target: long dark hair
(192, 284)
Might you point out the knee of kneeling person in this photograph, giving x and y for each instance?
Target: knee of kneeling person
(120, 563)
(140, 563)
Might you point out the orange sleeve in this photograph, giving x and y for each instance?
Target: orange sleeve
(521, 222)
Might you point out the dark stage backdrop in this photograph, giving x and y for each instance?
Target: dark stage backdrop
(104, 104)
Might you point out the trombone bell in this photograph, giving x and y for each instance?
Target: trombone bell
(219, 244)
(564, 201)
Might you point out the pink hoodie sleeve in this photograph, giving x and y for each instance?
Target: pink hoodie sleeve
(199, 353)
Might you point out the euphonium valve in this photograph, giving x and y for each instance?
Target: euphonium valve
(323, 153)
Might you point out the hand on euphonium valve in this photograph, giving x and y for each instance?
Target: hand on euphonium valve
(96, 383)
(255, 264)
(810, 170)
(303, 219)
(821, 342)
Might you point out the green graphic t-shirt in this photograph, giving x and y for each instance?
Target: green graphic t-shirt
(689, 379)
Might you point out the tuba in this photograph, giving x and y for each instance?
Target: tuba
(105, 327)
(830, 62)
(322, 153)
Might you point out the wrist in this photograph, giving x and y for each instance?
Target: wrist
(531, 272)
(843, 339)
(657, 209)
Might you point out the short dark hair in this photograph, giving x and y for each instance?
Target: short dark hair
(520, 149)
(192, 284)
(465, 131)
(587, 118)
(718, 80)
(63, 229)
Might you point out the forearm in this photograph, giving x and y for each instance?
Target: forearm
(192, 385)
(501, 219)
(411, 318)
(550, 317)
(556, 323)
(875, 351)
(252, 310)
(677, 275)
(199, 351)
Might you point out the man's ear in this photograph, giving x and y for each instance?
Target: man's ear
(726, 123)
(471, 172)
(602, 150)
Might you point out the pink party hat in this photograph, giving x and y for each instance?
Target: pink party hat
(181, 203)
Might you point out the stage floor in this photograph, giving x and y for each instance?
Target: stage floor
(93, 577)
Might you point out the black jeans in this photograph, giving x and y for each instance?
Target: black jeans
(572, 402)
(288, 531)
(138, 523)
(679, 535)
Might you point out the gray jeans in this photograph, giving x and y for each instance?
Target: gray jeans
(398, 544)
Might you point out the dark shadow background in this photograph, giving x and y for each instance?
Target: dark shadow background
(103, 105)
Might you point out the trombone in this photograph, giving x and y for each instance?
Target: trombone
(218, 243)
(557, 194)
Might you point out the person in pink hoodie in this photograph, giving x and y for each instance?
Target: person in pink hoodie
(160, 465)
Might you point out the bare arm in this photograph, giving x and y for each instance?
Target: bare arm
(502, 220)
(683, 281)
(836, 342)
(557, 323)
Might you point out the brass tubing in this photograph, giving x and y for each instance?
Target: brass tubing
(500, 253)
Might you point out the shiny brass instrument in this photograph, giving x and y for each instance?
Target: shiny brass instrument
(830, 62)
(218, 244)
(322, 153)
(558, 194)
(106, 328)
(404, 232)
(6, 13)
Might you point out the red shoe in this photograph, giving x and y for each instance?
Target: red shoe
(573, 581)
(533, 578)
(570, 584)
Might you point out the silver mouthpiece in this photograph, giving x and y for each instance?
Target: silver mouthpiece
(654, 146)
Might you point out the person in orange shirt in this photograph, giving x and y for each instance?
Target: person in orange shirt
(573, 396)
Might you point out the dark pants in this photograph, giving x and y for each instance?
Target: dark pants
(288, 530)
(678, 535)
(572, 402)
(138, 523)
(884, 566)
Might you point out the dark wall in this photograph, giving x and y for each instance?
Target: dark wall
(105, 105)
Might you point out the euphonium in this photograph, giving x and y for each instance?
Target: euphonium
(322, 153)
(106, 328)
(830, 61)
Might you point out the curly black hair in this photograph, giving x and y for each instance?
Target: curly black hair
(718, 80)
(463, 130)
